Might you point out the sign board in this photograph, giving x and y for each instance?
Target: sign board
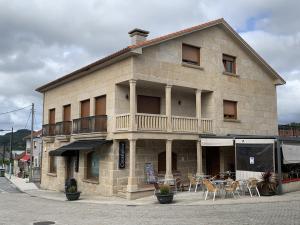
(122, 155)
(149, 173)
(251, 160)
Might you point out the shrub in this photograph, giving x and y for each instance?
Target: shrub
(164, 189)
(72, 189)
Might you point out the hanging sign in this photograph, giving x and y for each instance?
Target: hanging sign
(122, 155)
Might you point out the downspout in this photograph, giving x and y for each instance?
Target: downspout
(279, 167)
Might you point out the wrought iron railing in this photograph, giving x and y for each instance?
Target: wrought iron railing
(90, 124)
(63, 128)
(49, 130)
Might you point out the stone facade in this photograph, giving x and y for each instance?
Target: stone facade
(187, 94)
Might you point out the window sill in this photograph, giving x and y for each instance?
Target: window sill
(231, 74)
(52, 174)
(90, 181)
(232, 120)
(192, 66)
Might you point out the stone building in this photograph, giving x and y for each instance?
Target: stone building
(152, 104)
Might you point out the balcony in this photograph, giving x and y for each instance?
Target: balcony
(90, 124)
(48, 130)
(154, 122)
(63, 128)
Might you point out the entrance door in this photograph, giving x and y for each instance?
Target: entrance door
(70, 167)
(148, 104)
(212, 160)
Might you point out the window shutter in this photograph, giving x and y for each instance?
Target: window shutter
(85, 108)
(100, 105)
(191, 54)
(230, 109)
(52, 116)
(67, 113)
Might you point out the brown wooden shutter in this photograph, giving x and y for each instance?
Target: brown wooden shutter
(85, 108)
(190, 54)
(230, 109)
(148, 104)
(52, 116)
(100, 105)
(67, 113)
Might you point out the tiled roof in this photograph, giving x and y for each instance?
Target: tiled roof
(35, 134)
(156, 41)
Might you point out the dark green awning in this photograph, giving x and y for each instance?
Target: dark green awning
(83, 145)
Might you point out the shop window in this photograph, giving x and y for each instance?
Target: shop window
(92, 160)
(52, 164)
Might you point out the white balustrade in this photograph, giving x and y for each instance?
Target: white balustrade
(206, 125)
(184, 124)
(122, 121)
(156, 122)
(151, 122)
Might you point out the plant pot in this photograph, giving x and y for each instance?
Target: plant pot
(165, 198)
(265, 191)
(73, 196)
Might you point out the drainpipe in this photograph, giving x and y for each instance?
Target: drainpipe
(279, 167)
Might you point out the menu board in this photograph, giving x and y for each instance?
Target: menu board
(149, 173)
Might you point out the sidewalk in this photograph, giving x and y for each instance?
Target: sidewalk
(181, 198)
(22, 184)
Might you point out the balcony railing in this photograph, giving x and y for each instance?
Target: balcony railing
(154, 122)
(90, 124)
(63, 128)
(151, 122)
(49, 130)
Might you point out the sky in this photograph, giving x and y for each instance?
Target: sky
(42, 40)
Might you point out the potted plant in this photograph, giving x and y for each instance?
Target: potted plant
(165, 195)
(71, 190)
(268, 185)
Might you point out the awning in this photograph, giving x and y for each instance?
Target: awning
(25, 158)
(291, 154)
(216, 142)
(82, 145)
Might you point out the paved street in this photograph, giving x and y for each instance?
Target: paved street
(21, 209)
(6, 186)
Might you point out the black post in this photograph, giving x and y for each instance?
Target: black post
(11, 147)
(3, 156)
(279, 167)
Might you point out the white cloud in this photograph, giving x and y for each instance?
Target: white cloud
(43, 40)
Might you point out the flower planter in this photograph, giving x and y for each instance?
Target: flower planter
(73, 196)
(165, 198)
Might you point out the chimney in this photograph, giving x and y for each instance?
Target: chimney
(138, 35)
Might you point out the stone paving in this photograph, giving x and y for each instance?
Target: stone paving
(189, 208)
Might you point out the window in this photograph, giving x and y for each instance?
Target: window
(190, 54)
(67, 113)
(229, 63)
(92, 159)
(230, 109)
(52, 164)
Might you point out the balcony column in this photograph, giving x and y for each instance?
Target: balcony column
(168, 174)
(199, 159)
(132, 180)
(198, 109)
(169, 107)
(132, 103)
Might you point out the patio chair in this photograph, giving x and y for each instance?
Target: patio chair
(252, 185)
(232, 188)
(156, 188)
(192, 181)
(210, 188)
